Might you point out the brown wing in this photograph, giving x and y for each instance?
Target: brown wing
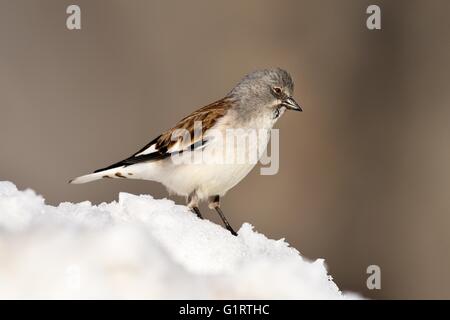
(161, 147)
(207, 115)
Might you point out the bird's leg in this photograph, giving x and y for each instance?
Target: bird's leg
(197, 212)
(214, 203)
(192, 203)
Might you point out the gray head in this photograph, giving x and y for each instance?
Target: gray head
(270, 88)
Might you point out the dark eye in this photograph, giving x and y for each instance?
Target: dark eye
(277, 90)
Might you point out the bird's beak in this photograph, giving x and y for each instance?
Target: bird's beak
(291, 104)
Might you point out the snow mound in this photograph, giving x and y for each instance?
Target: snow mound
(142, 248)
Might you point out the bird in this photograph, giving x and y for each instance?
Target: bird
(256, 103)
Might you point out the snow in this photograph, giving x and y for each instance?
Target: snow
(143, 248)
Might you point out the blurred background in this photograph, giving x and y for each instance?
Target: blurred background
(364, 171)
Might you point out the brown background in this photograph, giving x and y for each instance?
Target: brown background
(365, 169)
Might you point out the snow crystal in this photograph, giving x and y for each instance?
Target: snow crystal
(143, 248)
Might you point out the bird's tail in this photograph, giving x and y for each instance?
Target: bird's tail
(112, 173)
(86, 178)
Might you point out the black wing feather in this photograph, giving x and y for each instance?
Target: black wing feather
(157, 155)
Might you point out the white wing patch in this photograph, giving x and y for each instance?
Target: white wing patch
(179, 146)
(152, 149)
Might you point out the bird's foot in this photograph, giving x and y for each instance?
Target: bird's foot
(234, 233)
(197, 212)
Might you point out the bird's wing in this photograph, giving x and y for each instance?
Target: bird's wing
(175, 140)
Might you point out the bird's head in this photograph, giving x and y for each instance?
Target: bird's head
(271, 89)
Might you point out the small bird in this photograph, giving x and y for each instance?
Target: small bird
(255, 103)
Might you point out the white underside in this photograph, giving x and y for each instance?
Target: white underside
(205, 180)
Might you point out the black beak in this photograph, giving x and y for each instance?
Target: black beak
(291, 104)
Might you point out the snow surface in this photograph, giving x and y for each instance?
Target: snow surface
(143, 248)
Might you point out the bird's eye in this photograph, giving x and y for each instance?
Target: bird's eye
(277, 90)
